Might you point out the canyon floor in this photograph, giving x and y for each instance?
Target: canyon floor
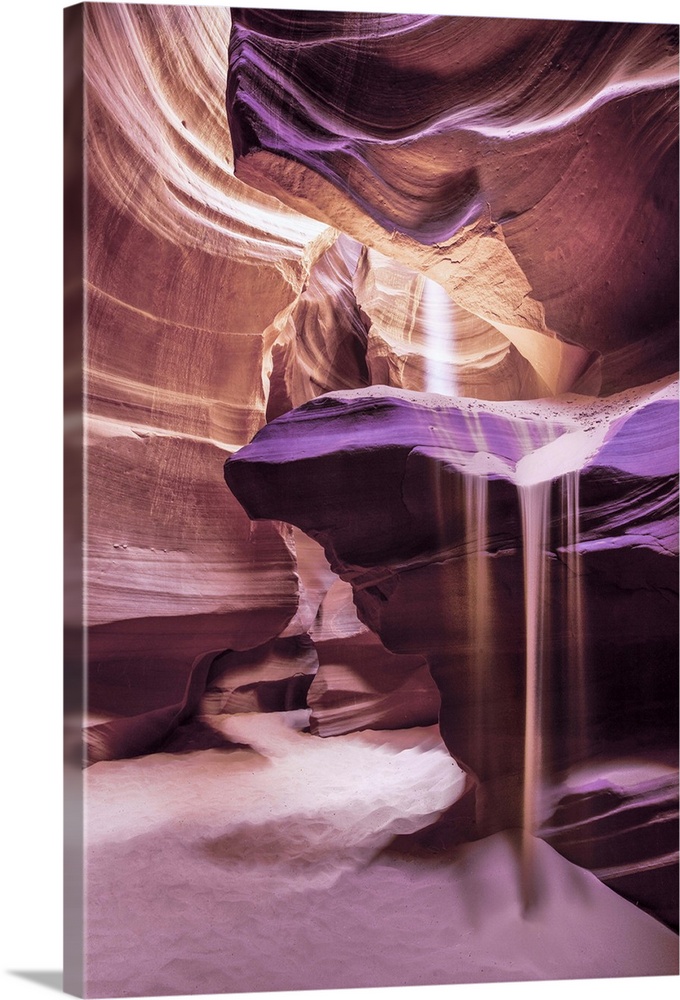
(264, 867)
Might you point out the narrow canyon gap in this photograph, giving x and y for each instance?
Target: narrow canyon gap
(396, 703)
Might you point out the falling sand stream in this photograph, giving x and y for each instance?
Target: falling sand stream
(535, 510)
(534, 499)
(575, 616)
(476, 492)
(534, 505)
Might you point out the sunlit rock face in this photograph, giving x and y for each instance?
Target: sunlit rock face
(517, 211)
(529, 167)
(370, 307)
(380, 477)
(187, 273)
(211, 308)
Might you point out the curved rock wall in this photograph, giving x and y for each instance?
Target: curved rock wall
(369, 308)
(509, 166)
(187, 269)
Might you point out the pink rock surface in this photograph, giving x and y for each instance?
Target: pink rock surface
(186, 271)
(507, 168)
(393, 526)
(368, 307)
(361, 685)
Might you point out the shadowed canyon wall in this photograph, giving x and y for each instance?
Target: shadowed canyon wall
(397, 321)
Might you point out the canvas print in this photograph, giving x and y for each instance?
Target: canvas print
(372, 406)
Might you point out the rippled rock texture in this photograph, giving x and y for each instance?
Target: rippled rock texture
(187, 270)
(395, 524)
(515, 248)
(412, 283)
(524, 162)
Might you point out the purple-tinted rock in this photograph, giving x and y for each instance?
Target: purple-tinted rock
(379, 479)
(361, 685)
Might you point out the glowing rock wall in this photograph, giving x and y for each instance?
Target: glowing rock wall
(482, 272)
(515, 249)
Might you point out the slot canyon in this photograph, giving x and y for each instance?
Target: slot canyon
(381, 538)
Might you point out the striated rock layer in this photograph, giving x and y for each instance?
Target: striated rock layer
(518, 215)
(378, 477)
(396, 318)
(376, 474)
(187, 270)
(525, 161)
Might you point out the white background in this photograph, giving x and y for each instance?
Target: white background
(30, 453)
